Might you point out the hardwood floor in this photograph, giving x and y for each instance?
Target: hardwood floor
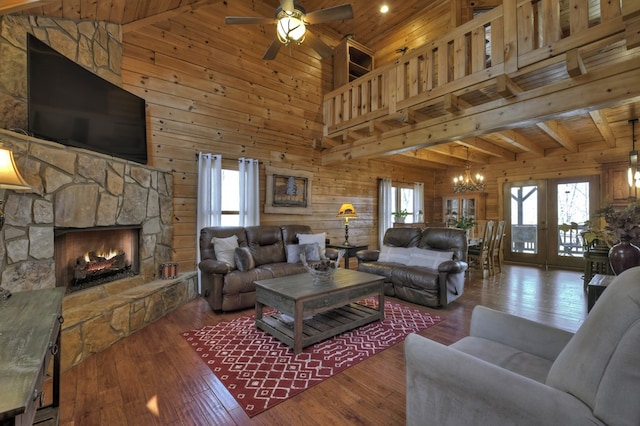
(154, 378)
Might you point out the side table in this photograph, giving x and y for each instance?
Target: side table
(349, 251)
(596, 286)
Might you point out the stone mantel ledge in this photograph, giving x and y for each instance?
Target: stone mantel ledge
(77, 188)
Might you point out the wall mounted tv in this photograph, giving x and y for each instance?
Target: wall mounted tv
(73, 106)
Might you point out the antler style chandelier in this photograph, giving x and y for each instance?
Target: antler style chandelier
(633, 173)
(467, 183)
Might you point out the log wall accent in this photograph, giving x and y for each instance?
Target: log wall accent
(209, 92)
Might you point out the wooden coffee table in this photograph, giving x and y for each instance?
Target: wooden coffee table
(329, 308)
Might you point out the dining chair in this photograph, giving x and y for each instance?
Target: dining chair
(497, 256)
(479, 256)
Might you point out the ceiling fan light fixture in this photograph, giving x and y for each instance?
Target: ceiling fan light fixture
(291, 27)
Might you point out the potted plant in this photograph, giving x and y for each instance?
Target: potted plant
(621, 233)
(400, 215)
(466, 223)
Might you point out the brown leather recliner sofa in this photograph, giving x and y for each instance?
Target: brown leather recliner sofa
(426, 267)
(262, 253)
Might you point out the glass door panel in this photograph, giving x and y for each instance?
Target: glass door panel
(525, 210)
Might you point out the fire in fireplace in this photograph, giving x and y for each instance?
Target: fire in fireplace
(93, 256)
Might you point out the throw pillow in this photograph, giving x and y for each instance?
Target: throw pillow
(394, 254)
(244, 260)
(311, 252)
(314, 239)
(428, 258)
(225, 248)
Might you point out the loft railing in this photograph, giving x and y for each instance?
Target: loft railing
(510, 37)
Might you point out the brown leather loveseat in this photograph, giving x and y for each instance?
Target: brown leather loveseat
(426, 267)
(250, 253)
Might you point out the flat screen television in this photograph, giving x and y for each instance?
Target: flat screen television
(71, 105)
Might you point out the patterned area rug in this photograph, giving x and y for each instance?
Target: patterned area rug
(261, 372)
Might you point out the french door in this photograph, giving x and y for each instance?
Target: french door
(545, 219)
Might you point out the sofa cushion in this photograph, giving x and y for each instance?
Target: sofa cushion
(415, 277)
(319, 239)
(311, 252)
(523, 363)
(290, 233)
(428, 258)
(265, 243)
(394, 255)
(225, 249)
(244, 259)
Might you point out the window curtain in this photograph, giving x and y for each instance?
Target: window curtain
(209, 202)
(418, 202)
(384, 208)
(249, 192)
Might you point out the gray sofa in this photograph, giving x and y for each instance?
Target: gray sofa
(426, 267)
(262, 253)
(512, 371)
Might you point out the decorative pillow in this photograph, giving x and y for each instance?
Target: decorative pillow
(314, 238)
(394, 254)
(428, 258)
(311, 252)
(244, 260)
(224, 249)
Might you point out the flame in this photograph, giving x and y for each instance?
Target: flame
(105, 254)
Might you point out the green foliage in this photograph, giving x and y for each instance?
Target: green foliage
(465, 223)
(401, 213)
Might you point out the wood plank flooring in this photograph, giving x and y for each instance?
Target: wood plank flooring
(154, 378)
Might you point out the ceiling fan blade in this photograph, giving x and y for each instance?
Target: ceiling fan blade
(318, 45)
(272, 50)
(337, 13)
(234, 20)
(287, 5)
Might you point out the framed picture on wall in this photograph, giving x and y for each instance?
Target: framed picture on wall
(288, 191)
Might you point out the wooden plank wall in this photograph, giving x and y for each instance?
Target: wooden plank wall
(208, 90)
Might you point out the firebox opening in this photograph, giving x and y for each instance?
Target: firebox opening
(93, 256)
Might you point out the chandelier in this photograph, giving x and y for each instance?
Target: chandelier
(633, 173)
(467, 183)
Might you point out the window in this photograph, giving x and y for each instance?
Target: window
(402, 199)
(230, 198)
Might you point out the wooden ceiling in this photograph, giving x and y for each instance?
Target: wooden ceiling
(606, 131)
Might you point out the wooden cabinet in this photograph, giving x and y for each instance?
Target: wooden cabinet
(616, 184)
(30, 324)
(470, 205)
(350, 61)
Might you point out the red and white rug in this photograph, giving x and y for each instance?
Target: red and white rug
(260, 371)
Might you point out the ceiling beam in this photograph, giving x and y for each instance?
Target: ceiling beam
(521, 141)
(603, 127)
(14, 6)
(160, 17)
(442, 160)
(560, 135)
(488, 148)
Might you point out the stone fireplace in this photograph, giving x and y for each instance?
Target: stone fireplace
(93, 256)
(76, 191)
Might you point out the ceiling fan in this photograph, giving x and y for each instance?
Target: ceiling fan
(291, 20)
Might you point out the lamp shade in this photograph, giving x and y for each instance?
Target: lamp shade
(347, 211)
(10, 177)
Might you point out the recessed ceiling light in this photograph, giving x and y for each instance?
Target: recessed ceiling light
(384, 8)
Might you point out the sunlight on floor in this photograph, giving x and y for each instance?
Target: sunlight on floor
(152, 405)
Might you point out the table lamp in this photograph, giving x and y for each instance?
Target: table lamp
(10, 178)
(347, 211)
